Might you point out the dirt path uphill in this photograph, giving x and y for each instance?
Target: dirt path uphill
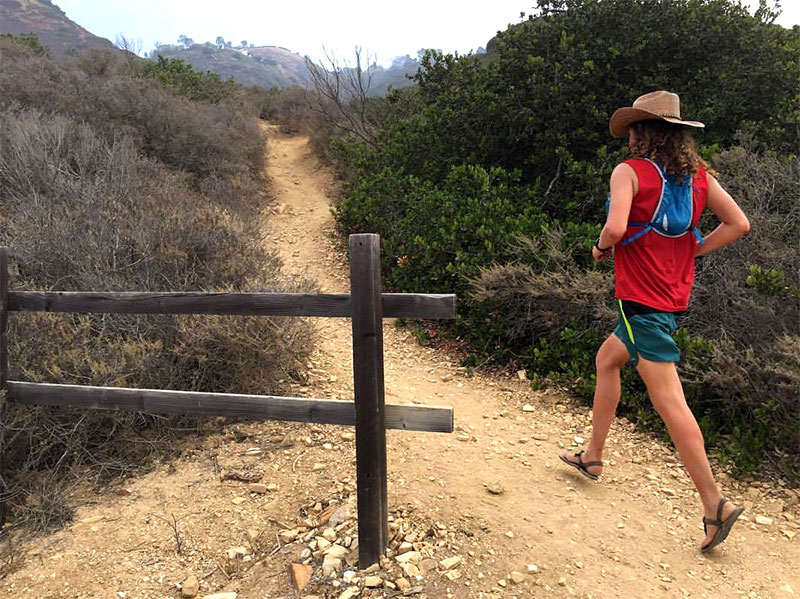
(633, 535)
(493, 493)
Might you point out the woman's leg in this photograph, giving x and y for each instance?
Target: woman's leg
(666, 393)
(611, 357)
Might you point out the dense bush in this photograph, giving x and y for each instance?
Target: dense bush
(515, 142)
(741, 336)
(208, 140)
(111, 182)
(184, 80)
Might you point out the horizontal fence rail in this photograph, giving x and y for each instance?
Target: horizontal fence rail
(395, 305)
(366, 305)
(433, 419)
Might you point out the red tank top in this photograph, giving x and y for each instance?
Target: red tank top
(654, 270)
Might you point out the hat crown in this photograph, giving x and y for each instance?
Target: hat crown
(662, 103)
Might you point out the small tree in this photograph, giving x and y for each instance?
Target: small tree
(220, 42)
(342, 94)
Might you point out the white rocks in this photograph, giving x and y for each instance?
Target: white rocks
(528, 408)
(237, 552)
(349, 576)
(427, 565)
(533, 568)
(669, 492)
(578, 440)
(329, 534)
(349, 593)
(517, 577)
(405, 547)
(764, 520)
(450, 562)
(410, 557)
(331, 565)
(336, 551)
(322, 544)
(495, 488)
(190, 586)
(287, 536)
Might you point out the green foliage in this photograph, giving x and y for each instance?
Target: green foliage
(489, 177)
(436, 238)
(181, 77)
(770, 282)
(29, 40)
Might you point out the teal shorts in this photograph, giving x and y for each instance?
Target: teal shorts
(648, 335)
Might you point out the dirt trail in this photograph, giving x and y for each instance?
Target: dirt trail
(633, 535)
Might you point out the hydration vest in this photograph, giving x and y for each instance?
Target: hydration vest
(674, 212)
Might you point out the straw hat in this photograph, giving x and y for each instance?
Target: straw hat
(661, 105)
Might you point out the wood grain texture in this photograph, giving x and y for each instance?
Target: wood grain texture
(395, 305)
(3, 376)
(365, 290)
(433, 419)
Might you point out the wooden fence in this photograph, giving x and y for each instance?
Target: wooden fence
(366, 305)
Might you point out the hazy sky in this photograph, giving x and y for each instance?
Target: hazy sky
(384, 29)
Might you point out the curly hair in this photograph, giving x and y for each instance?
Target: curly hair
(671, 145)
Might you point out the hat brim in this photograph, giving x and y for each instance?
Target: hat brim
(624, 117)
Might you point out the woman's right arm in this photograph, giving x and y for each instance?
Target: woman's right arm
(734, 222)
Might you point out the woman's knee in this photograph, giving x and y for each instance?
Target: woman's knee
(608, 361)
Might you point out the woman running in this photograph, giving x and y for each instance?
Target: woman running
(656, 199)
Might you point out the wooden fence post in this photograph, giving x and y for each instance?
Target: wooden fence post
(3, 376)
(365, 291)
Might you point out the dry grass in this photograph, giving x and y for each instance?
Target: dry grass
(110, 182)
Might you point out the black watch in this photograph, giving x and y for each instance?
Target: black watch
(599, 249)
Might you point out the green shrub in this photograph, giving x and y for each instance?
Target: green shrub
(179, 75)
(515, 142)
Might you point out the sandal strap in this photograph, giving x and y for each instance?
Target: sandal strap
(718, 521)
(722, 502)
(586, 464)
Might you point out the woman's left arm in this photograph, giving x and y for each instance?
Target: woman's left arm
(622, 185)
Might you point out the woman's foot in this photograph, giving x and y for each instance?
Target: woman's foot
(718, 522)
(588, 464)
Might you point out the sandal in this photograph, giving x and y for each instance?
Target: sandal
(582, 466)
(724, 525)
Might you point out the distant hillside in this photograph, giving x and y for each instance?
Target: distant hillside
(396, 76)
(272, 66)
(54, 30)
(266, 66)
